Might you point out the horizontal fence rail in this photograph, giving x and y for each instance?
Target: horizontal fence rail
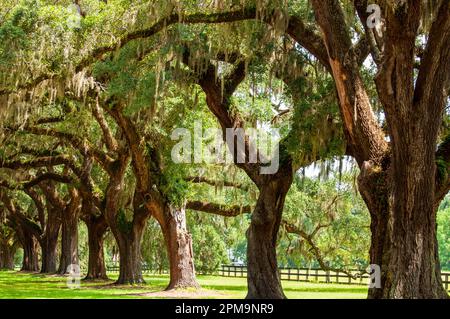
(315, 275)
(290, 274)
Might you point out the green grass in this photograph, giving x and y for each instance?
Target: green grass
(27, 285)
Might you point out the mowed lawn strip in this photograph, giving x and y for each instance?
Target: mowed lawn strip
(32, 285)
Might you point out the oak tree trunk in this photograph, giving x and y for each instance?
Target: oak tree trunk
(49, 242)
(48, 256)
(403, 240)
(263, 277)
(30, 252)
(7, 253)
(96, 264)
(129, 244)
(373, 187)
(69, 243)
(179, 248)
(69, 237)
(413, 270)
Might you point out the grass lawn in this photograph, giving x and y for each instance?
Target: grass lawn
(29, 285)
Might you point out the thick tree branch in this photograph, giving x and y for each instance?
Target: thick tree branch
(98, 53)
(49, 120)
(303, 34)
(374, 41)
(48, 176)
(364, 136)
(309, 39)
(39, 203)
(217, 209)
(395, 80)
(201, 179)
(137, 147)
(52, 195)
(81, 145)
(309, 238)
(18, 216)
(23, 149)
(218, 98)
(110, 141)
(37, 162)
(36, 180)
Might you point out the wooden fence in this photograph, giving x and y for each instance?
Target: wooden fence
(314, 275)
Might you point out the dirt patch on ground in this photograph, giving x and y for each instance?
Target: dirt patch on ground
(185, 294)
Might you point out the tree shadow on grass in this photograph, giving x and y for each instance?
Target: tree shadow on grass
(113, 285)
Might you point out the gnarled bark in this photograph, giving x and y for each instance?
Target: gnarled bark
(397, 181)
(30, 247)
(263, 277)
(128, 234)
(97, 227)
(7, 252)
(172, 221)
(69, 245)
(49, 241)
(179, 249)
(69, 236)
(374, 190)
(130, 255)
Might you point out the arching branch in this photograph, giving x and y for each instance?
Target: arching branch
(110, 141)
(309, 238)
(82, 145)
(48, 176)
(217, 209)
(201, 179)
(364, 136)
(37, 162)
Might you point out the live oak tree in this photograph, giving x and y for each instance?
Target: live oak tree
(46, 230)
(169, 214)
(399, 180)
(263, 278)
(8, 246)
(153, 195)
(25, 237)
(128, 233)
(74, 175)
(402, 154)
